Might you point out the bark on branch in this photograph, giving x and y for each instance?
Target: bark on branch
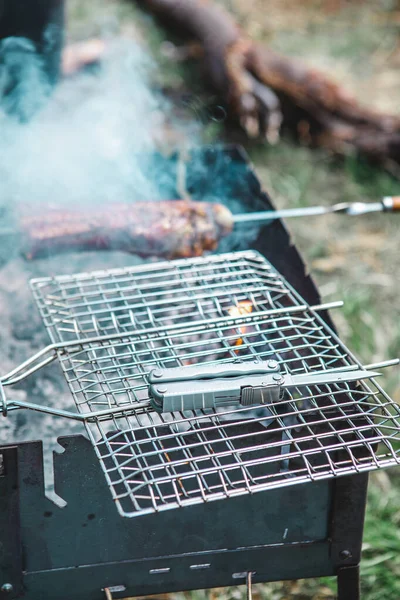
(261, 88)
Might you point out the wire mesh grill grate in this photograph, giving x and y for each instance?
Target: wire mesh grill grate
(130, 321)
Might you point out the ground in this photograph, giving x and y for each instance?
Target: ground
(355, 260)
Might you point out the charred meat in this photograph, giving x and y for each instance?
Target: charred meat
(166, 229)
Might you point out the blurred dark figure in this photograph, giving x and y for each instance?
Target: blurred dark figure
(31, 39)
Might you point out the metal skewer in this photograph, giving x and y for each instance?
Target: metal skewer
(387, 204)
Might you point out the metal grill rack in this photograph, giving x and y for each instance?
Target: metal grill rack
(110, 329)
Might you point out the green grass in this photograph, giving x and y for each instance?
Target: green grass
(359, 313)
(356, 35)
(380, 567)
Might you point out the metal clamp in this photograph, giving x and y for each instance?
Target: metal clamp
(209, 386)
(246, 383)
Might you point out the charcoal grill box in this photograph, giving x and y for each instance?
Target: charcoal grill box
(80, 550)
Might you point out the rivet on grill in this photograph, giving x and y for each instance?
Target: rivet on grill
(157, 374)
(162, 390)
(277, 377)
(272, 364)
(345, 554)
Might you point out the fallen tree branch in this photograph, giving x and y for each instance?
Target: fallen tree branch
(260, 87)
(225, 55)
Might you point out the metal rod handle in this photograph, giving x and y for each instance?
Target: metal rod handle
(387, 204)
(33, 364)
(29, 366)
(249, 585)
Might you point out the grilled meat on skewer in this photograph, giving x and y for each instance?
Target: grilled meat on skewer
(167, 229)
(164, 229)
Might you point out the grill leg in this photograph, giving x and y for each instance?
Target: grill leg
(348, 581)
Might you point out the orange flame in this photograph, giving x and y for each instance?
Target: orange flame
(245, 307)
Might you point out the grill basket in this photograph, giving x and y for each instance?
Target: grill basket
(110, 329)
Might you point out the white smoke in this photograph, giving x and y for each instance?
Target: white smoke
(83, 145)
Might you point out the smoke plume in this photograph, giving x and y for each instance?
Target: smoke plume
(83, 144)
